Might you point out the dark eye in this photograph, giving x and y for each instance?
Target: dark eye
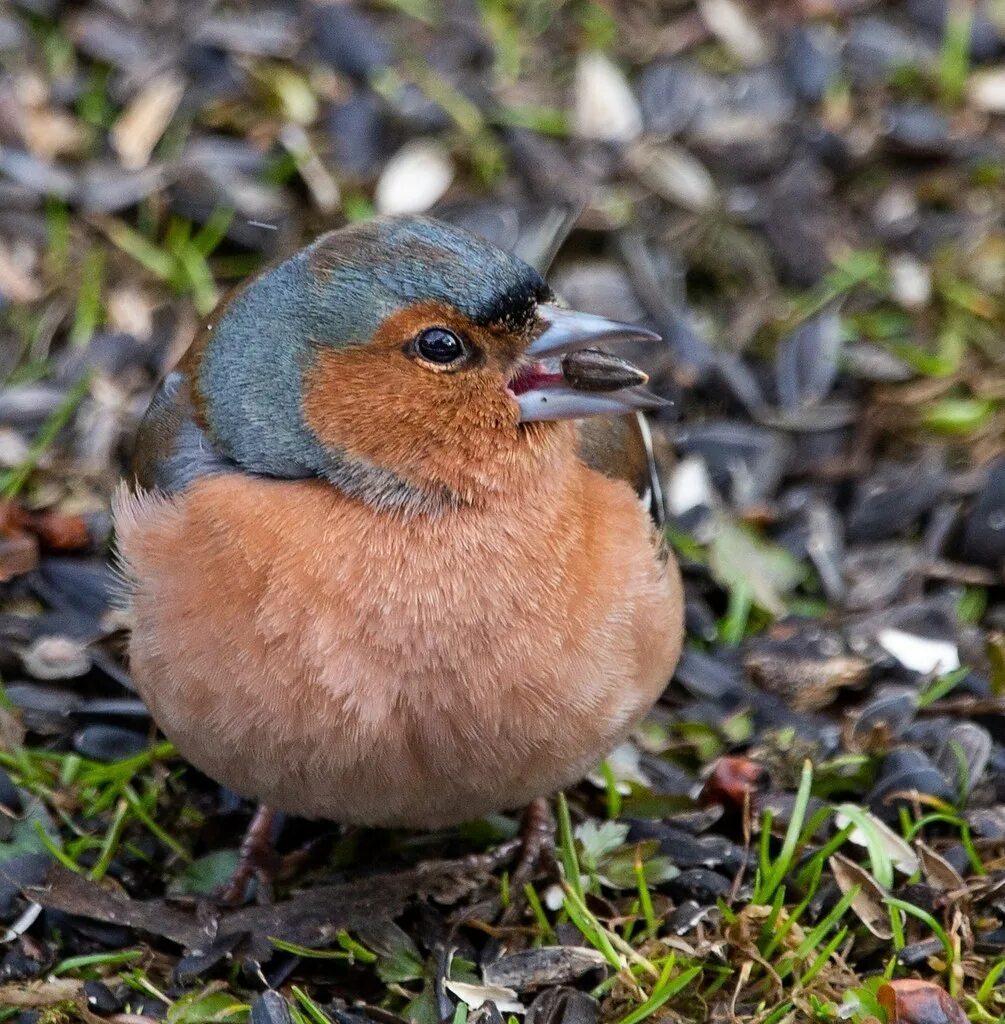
(438, 345)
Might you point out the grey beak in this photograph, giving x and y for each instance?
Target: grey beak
(567, 330)
(590, 387)
(560, 402)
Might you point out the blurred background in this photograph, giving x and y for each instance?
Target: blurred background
(805, 197)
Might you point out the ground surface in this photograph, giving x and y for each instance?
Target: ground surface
(806, 199)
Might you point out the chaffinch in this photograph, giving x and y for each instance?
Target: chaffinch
(372, 577)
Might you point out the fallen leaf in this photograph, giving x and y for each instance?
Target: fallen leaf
(205, 875)
(919, 1002)
(733, 781)
(36, 995)
(598, 839)
(59, 530)
(23, 838)
(938, 871)
(870, 903)
(309, 918)
(881, 841)
(398, 958)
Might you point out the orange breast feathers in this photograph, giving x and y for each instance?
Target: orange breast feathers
(334, 660)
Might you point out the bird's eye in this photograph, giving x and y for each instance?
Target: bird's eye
(440, 346)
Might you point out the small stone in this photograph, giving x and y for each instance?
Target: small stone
(699, 884)
(18, 555)
(13, 448)
(965, 754)
(890, 710)
(673, 93)
(690, 486)
(896, 210)
(877, 47)
(917, 130)
(350, 40)
(270, 1008)
(904, 772)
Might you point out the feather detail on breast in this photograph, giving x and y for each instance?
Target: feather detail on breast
(340, 661)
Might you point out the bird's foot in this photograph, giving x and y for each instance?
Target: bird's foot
(257, 859)
(537, 843)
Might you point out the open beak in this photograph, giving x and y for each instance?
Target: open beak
(584, 382)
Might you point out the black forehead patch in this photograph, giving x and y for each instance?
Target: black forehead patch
(512, 308)
(416, 259)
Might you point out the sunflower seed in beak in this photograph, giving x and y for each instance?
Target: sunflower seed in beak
(589, 369)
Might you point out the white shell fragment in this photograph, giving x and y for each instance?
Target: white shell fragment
(919, 653)
(22, 924)
(475, 995)
(910, 281)
(690, 486)
(624, 762)
(672, 172)
(987, 90)
(144, 121)
(903, 858)
(729, 22)
(56, 657)
(605, 108)
(414, 178)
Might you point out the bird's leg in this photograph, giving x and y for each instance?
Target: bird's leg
(536, 851)
(537, 843)
(256, 858)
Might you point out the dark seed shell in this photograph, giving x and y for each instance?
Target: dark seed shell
(592, 370)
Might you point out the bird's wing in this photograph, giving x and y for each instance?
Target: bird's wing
(172, 450)
(622, 448)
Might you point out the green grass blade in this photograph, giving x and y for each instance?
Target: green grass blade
(781, 866)
(664, 990)
(567, 848)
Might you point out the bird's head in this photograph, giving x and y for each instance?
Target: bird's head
(407, 361)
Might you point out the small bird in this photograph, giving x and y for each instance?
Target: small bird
(372, 578)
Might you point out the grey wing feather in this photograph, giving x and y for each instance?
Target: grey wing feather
(172, 450)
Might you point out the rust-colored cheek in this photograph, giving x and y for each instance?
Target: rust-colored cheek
(454, 430)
